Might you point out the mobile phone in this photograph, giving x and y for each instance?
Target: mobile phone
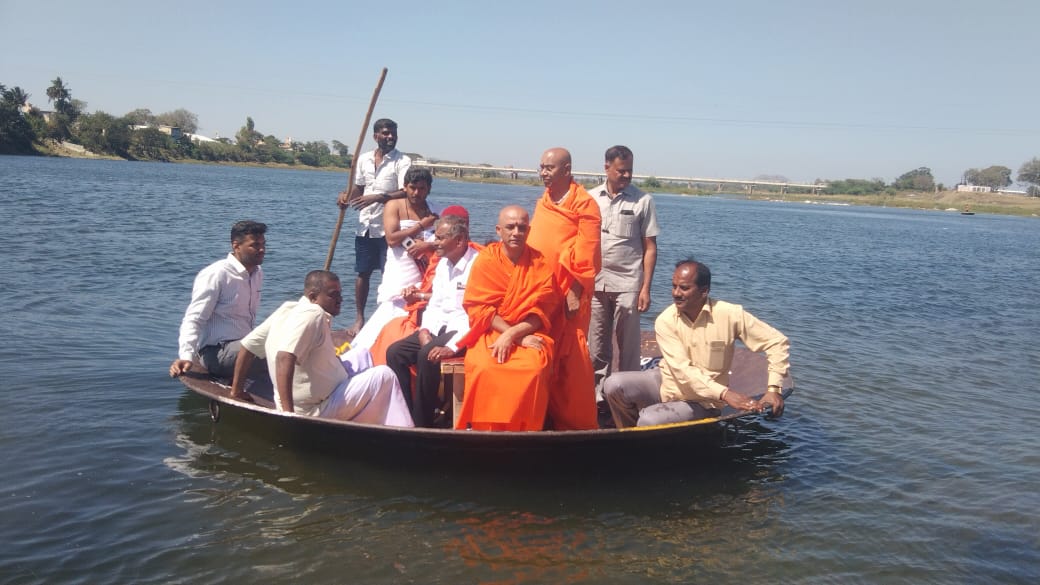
(407, 243)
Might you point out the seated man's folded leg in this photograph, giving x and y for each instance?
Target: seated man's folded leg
(400, 357)
(674, 412)
(629, 392)
(373, 396)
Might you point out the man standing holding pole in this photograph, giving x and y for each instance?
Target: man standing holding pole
(380, 178)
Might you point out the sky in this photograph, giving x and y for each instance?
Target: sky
(804, 89)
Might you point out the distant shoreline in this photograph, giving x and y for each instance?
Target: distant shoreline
(947, 201)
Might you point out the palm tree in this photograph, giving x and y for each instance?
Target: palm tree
(16, 95)
(60, 95)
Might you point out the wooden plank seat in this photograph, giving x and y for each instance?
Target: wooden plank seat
(453, 382)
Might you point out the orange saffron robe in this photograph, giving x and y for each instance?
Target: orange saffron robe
(569, 233)
(514, 395)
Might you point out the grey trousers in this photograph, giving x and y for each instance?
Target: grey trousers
(220, 359)
(614, 315)
(635, 400)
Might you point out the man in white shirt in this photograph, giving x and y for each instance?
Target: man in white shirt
(379, 178)
(309, 377)
(224, 301)
(444, 321)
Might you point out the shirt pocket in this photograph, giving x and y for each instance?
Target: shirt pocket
(716, 355)
(628, 225)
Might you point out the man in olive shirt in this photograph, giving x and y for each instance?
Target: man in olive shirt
(628, 241)
(696, 335)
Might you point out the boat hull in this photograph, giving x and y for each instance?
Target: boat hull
(480, 449)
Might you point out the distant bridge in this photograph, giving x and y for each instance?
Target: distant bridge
(749, 185)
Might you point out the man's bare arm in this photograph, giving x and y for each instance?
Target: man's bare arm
(285, 367)
(649, 263)
(238, 381)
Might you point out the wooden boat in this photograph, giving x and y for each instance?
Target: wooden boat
(475, 449)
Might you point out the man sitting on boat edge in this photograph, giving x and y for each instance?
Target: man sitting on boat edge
(309, 378)
(696, 335)
(224, 301)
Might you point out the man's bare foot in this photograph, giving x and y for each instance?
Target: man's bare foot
(355, 328)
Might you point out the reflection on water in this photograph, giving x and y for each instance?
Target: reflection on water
(555, 527)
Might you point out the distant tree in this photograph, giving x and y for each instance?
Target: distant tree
(60, 95)
(652, 183)
(855, 187)
(1029, 173)
(100, 132)
(218, 151)
(318, 147)
(150, 144)
(308, 158)
(919, 179)
(247, 136)
(325, 156)
(16, 95)
(996, 176)
(181, 118)
(16, 133)
(76, 107)
(340, 148)
(57, 127)
(185, 147)
(140, 117)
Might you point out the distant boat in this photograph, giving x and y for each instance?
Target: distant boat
(967, 211)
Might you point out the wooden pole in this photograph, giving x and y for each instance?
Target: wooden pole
(353, 168)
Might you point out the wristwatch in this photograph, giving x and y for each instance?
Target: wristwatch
(775, 389)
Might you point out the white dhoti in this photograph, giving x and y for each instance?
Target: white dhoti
(373, 396)
(386, 311)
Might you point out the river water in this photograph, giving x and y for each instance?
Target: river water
(909, 453)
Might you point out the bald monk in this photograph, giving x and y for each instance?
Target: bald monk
(565, 229)
(509, 298)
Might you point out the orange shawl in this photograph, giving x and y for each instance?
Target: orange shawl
(568, 233)
(497, 286)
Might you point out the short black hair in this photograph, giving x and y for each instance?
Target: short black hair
(248, 227)
(615, 152)
(384, 124)
(703, 278)
(316, 280)
(418, 175)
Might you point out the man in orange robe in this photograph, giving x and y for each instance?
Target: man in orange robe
(509, 298)
(565, 229)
